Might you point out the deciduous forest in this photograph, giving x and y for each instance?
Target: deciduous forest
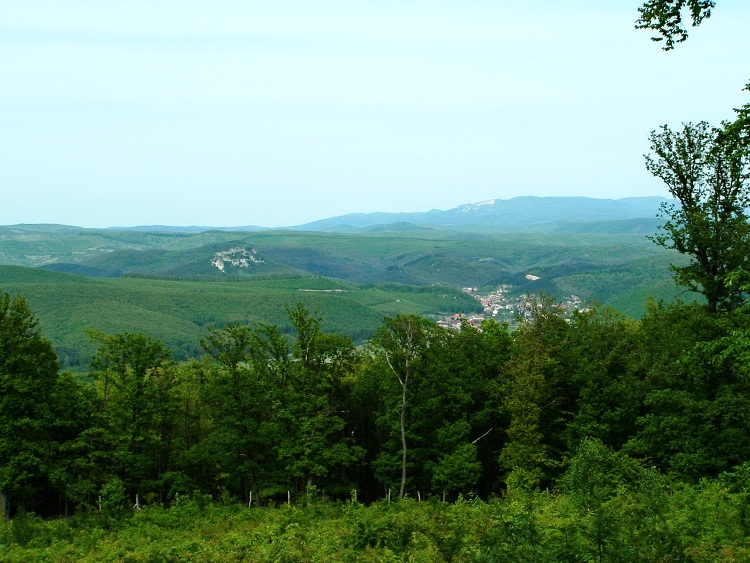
(594, 437)
(568, 436)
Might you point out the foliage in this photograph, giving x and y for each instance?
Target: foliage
(591, 438)
(666, 18)
(270, 416)
(645, 520)
(134, 424)
(179, 312)
(403, 343)
(534, 394)
(707, 170)
(595, 437)
(37, 408)
(605, 378)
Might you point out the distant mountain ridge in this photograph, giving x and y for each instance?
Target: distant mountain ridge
(546, 214)
(523, 213)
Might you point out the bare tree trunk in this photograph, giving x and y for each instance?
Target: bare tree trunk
(403, 441)
(402, 339)
(404, 385)
(4, 505)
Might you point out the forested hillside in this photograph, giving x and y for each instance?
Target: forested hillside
(179, 312)
(172, 286)
(472, 257)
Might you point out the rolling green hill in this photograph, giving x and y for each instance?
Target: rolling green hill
(172, 285)
(179, 312)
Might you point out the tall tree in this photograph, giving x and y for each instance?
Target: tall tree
(535, 395)
(135, 374)
(314, 445)
(279, 407)
(707, 169)
(605, 376)
(401, 343)
(692, 420)
(32, 421)
(240, 389)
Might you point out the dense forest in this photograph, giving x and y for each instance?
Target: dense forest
(583, 431)
(594, 437)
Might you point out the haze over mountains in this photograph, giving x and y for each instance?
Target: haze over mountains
(517, 214)
(528, 213)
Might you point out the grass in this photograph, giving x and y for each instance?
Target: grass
(699, 523)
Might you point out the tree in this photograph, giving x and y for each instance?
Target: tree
(239, 390)
(707, 169)
(666, 18)
(313, 442)
(402, 343)
(279, 408)
(534, 394)
(33, 424)
(464, 412)
(137, 410)
(691, 420)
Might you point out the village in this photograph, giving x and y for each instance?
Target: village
(502, 305)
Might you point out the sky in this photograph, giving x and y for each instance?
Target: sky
(277, 113)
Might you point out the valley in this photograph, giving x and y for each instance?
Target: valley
(174, 283)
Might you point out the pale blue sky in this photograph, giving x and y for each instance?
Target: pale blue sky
(276, 113)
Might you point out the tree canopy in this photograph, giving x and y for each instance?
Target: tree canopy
(666, 17)
(35, 407)
(707, 169)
